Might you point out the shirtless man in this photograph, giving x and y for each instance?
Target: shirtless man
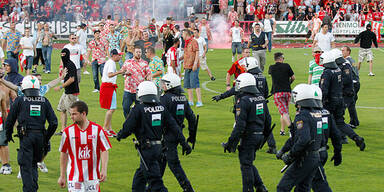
(5, 95)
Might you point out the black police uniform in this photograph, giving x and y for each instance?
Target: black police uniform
(304, 155)
(252, 117)
(148, 121)
(262, 86)
(347, 78)
(331, 85)
(177, 105)
(354, 120)
(31, 112)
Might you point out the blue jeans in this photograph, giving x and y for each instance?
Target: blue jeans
(29, 62)
(96, 69)
(128, 99)
(236, 48)
(47, 53)
(269, 36)
(191, 79)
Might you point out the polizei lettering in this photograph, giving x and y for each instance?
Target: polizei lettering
(38, 99)
(259, 98)
(154, 109)
(179, 98)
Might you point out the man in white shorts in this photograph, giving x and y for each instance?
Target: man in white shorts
(366, 39)
(202, 51)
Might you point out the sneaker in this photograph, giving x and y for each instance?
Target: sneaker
(190, 103)
(43, 168)
(6, 169)
(86, 73)
(19, 175)
(233, 59)
(282, 133)
(113, 133)
(213, 78)
(34, 71)
(47, 72)
(95, 91)
(360, 142)
(371, 74)
(199, 104)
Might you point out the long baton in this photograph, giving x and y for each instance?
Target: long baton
(141, 156)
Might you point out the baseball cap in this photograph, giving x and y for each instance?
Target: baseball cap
(116, 52)
(317, 48)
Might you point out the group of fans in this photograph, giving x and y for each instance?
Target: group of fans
(84, 144)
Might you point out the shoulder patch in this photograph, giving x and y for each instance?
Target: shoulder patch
(299, 124)
(237, 111)
(346, 71)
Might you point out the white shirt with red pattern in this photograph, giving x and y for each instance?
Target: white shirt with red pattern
(84, 149)
(99, 50)
(137, 71)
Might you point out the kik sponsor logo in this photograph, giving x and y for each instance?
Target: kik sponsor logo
(84, 153)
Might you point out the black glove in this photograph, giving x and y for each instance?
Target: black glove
(118, 138)
(9, 139)
(279, 154)
(337, 158)
(287, 158)
(227, 148)
(216, 98)
(186, 149)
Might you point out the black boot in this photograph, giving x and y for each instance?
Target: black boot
(261, 188)
(359, 142)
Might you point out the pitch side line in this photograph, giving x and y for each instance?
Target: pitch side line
(204, 85)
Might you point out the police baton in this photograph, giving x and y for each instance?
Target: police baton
(196, 126)
(136, 143)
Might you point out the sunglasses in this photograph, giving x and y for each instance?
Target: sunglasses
(73, 38)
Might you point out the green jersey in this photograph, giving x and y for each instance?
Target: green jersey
(315, 70)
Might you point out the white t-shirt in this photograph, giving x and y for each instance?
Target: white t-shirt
(109, 67)
(202, 43)
(1, 53)
(27, 42)
(82, 38)
(324, 41)
(203, 32)
(267, 25)
(75, 50)
(236, 34)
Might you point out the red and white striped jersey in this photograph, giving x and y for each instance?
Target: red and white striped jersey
(83, 149)
(171, 56)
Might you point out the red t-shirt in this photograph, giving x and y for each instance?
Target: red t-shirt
(236, 69)
(259, 13)
(165, 25)
(321, 15)
(377, 16)
(3, 3)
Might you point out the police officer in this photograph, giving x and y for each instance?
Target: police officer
(331, 85)
(251, 65)
(31, 111)
(148, 120)
(177, 105)
(252, 118)
(303, 157)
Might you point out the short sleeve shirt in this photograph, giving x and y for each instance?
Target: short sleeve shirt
(13, 40)
(324, 41)
(75, 50)
(138, 70)
(114, 40)
(109, 67)
(280, 72)
(98, 49)
(190, 53)
(315, 70)
(156, 65)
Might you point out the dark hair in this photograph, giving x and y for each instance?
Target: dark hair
(278, 55)
(322, 25)
(151, 49)
(97, 31)
(80, 106)
(257, 24)
(186, 25)
(109, 17)
(348, 49)
(136, 47)
(197, 30)
(169, 18)
(27, 28)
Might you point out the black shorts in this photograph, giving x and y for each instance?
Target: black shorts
(309, 33)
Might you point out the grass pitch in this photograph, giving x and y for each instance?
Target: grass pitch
(207, 167)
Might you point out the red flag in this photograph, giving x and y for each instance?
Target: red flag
(22, 62)
(376, 27)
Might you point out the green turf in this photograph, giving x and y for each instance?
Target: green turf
(208, 168)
